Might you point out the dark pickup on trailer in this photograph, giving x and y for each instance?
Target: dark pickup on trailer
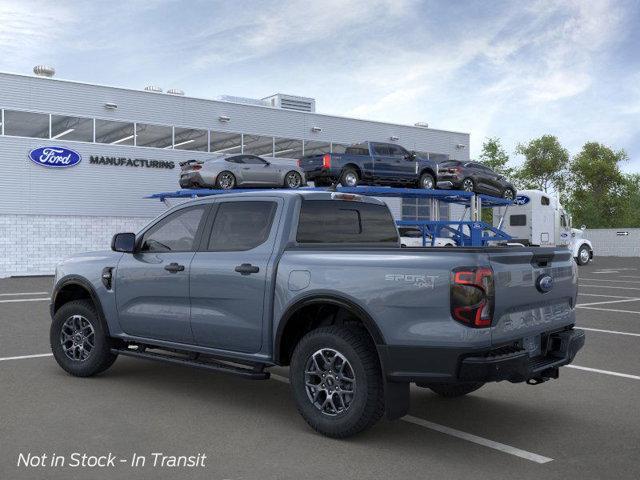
(371, 163)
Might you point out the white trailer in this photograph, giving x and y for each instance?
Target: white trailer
(538, 219)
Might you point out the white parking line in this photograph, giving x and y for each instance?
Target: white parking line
(609, 286)
(16, 300)
(469, 437)
(610, 331)
(533, 457)
(22, 293)
(607, 280)
(601, 295)
(609, 301)
(606, 372)
(608, 309)
(24, 357)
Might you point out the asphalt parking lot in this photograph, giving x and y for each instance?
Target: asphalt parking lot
(584, 425)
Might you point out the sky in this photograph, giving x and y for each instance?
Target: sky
(514, 70)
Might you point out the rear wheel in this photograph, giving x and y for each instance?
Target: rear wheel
(79, 340)
(336, 380)
(225, 181)
(427, 181)
(452, 390)
(293, 180)
(584, 255)
(468, 185)
(349, 178)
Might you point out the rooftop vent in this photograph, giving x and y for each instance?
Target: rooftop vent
(292, 102)
(244, 100)
(422, 124)
(153, 88)
(175, 91)
(44, 71)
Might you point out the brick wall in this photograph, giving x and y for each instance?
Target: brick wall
(34, 244)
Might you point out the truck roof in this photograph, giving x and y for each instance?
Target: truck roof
(305, 194)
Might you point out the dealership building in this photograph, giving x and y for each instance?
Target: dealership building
(128, 144)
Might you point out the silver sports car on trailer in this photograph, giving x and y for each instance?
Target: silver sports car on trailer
(231, 171)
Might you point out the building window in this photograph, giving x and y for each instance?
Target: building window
(72, 128)
(114, 133)
(157, 136)
(224, 142)
(190, 139)
(258, 145)
(420, 209)
(26, 124)
(316, 148)
(287, 148)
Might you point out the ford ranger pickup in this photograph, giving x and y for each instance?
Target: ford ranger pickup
(317, 281)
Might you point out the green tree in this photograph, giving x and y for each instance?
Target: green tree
(600, 194)
(495, 157)
(545, 165)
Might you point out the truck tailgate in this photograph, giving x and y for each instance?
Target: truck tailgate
(535, 292)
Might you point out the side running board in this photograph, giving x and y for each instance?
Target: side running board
(255, 373)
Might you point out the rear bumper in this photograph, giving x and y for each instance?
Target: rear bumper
(191, 180)
(426, 364)
(449, 184)
(320, 174)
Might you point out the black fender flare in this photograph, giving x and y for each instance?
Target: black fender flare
(86, 285)
(331, 299)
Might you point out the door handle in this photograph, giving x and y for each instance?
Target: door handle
(247, 269)
(174, 268)
(246, 168)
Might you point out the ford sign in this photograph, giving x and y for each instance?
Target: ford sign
(521, 200)
(56, 157)
(544, 283)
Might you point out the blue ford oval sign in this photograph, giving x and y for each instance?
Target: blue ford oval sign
(521, 200)
(56, 157)
(544, 283)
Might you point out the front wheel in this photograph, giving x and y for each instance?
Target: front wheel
(293, 180)
(508, 194)
(427, 181)
(336, 380)
(452, 390)
(584, 255)
(79, 340)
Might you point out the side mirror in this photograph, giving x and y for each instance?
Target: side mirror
(123, 242)
(267, 163)
(583, 227)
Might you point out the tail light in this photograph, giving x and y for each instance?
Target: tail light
(299, 162)
(472, 296)
(326, 161)
(196, 167)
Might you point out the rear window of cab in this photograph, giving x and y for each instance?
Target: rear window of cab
(340, 221)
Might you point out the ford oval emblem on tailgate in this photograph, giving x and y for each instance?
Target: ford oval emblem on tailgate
(544, 283)
(56, 157)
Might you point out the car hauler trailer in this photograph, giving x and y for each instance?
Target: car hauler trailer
(538, 219)
(469, 231)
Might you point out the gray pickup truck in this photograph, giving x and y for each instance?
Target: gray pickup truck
(317, 281)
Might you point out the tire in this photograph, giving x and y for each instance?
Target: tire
(225, 180)
(349, 178)
(293, 180)
(468, 185)
(82, 316)
(584, 255)
(452, 390)
(356, 412)
(427, 181)
(508, 194)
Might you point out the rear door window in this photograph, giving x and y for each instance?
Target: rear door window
(339, 221)
(241, 225)
(381, 150)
